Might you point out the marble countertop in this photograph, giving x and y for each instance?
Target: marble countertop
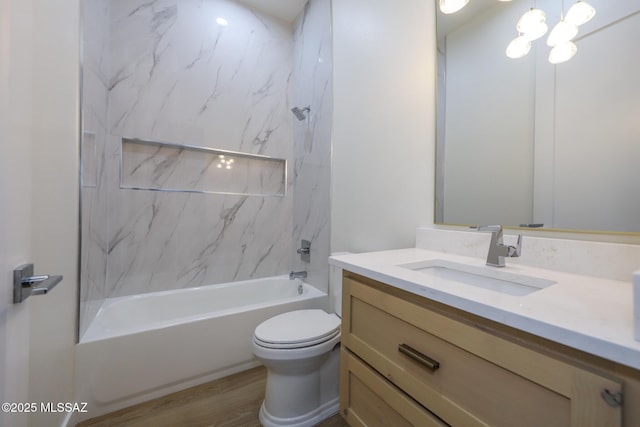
(587, 313)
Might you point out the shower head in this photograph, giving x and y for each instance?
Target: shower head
(300, 113)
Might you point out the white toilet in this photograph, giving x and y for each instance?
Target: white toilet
(301, 353)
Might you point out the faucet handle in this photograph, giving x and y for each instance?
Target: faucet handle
(515, 251)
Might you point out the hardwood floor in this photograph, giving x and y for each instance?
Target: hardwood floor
(233, 401)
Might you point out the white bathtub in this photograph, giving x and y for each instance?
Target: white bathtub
(145, 346)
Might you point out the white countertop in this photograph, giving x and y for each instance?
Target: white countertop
(587, 313)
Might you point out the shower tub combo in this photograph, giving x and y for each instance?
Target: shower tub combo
(145, 346)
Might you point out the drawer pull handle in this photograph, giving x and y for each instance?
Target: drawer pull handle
(422, 359)
(613, 399)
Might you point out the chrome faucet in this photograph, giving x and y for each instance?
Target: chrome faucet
(497, 249)
(298, 275)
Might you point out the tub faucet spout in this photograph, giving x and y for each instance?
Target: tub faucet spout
(298, 275)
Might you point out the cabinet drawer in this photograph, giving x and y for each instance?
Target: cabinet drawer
(367, 399)
(413, 348)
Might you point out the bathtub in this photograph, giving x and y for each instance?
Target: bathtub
(145, 346)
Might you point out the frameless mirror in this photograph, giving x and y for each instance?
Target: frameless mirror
(523, 141)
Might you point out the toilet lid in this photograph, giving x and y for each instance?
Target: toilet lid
(299, 328)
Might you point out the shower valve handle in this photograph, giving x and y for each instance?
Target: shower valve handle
(305, 250)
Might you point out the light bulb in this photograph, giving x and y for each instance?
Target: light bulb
(452, 6)
(562, 32)
(580, 13)
(562, 52)
(538, 32)
(532, 24)
(518, 47)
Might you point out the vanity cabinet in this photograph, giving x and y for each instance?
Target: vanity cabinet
(407, 360)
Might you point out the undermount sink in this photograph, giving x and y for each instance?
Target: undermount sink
(491, 278)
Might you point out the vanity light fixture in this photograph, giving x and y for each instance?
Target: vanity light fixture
(562, 52)
(564, 31)
(563, 49)
(532, 25)
(452, 6)
(518, 47)
(580, 13)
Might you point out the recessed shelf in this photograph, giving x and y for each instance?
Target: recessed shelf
(162, 166)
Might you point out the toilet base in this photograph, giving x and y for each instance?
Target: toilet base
(309, 419)
(303, 400)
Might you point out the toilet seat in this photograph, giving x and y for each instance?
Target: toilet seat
(297, 329)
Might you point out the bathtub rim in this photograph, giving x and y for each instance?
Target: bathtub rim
(90, 335)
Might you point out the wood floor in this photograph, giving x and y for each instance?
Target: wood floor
(233, 401)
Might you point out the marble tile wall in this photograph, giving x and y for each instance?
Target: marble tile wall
(312, 87)
(179, 75)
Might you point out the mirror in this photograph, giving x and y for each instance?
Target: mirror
(525, 142)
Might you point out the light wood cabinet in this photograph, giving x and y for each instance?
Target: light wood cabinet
(374, 402)
(422, 363)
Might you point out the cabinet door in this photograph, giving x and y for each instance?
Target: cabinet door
(367, 399)
(482, 379)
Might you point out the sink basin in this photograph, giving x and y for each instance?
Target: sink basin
(491, 278)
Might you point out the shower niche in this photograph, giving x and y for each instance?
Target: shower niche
(162, 166)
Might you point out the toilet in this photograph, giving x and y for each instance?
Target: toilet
(300, 350)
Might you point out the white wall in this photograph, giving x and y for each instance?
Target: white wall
(384, 123)
(55, 200)
(15, 200)
(39, 109)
